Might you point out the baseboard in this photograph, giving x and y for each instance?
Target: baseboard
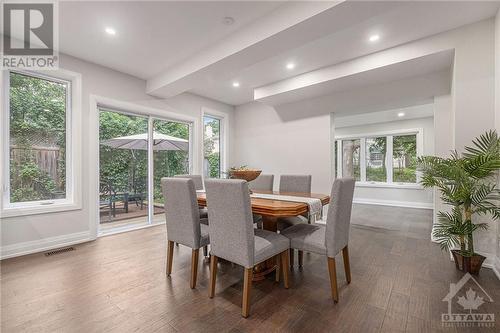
(24, 248)
(394, 203)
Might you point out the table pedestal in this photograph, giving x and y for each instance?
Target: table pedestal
(260, 271)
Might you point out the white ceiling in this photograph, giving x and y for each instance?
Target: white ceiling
(151, 35)
(179, 40)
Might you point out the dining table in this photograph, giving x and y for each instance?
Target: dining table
(271, 210)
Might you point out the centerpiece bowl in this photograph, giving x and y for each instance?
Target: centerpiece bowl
(247, 174)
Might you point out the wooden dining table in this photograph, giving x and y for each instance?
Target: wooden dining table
(271, 210)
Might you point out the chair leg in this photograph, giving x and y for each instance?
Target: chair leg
(205, 251)
(278, 267)
(285, 264)
(213, 276)
(291, 257)
(301, 258)
(347, 265)
(247, 287)
(194, 267)
(333, 279)
(170, 257)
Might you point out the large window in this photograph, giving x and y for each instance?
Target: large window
(212, 147)
(36, 139)
(379, 159)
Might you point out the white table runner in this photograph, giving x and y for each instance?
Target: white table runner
(315, 205)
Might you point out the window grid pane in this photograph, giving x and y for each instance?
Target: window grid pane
(212, 163)
(37, 141)
(376, 170)
(351, 159)
(404, 159)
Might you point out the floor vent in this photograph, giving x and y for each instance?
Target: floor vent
(57, 251)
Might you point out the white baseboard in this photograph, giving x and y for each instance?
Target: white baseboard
(394, 203)
(21, 249)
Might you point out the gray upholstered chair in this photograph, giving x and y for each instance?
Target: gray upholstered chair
(198, 185)
(294, 183)
(333, 238)
(183, 221)
(261, 183)
(233, 237)
(197, 180)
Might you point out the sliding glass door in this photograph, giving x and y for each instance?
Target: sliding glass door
(135, 152)
(170, 157)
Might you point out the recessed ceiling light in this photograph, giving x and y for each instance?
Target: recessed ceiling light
(228, 20)
(401, 114)
(290, 65)
(236, 84)
(374, 38)
(110, 31)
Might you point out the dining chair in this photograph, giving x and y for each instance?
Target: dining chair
(333, 238)
(198, 185)
(297, 184)
(233, 237)
(262, 183)
(184, 225)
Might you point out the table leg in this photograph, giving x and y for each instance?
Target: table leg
(269, 266)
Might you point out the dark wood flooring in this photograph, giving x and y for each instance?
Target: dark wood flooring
(118, 283)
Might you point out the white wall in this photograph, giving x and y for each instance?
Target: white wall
(264, 138)
(39, 232)
(404, 197)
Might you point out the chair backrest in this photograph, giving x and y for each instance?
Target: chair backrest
(181, 211)
(198, 181)
(231, 223)
(338, 219)
(295, 183)
(262, 183)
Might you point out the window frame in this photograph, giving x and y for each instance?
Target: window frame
(72, 201)
(389, 183)
(224, 126)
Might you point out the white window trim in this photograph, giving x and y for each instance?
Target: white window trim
(73, 148)
(389, 135)
(224, 135)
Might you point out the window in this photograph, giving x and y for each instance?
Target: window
(385, 158)
(37, 138)
(376, 149)
(40, 143)
(212, 147)
(350, 159)
(404, 158)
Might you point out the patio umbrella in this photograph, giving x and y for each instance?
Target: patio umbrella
(140, 141)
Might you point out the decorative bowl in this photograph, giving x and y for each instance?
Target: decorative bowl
(247, 175)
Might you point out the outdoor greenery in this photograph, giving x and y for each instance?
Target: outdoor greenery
(37, 134)
(376, 147)
(127, 169)
(466, 182)
(405, 153)
(211, 139)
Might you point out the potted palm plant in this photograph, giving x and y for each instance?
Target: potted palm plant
(466, 182)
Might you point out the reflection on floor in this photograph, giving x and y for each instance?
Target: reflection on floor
(118, 284)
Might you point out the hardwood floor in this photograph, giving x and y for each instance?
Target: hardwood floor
(118, 283)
